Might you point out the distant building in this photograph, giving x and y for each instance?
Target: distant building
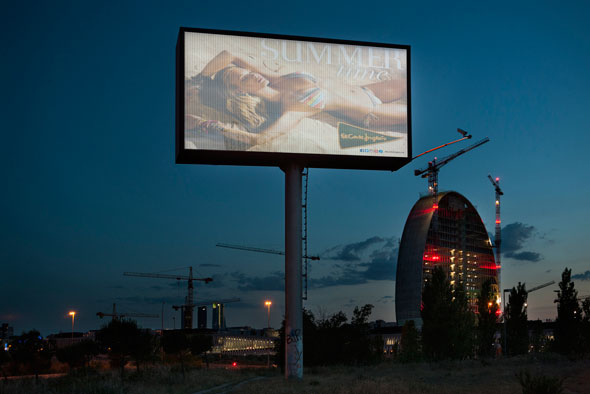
(6, 332)
(455, 240)
(389, 333)
(65, 339)
(202, 317)
(218, 319)
(238, 341)
(245, 341)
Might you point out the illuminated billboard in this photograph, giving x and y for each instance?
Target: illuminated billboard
(256, 99)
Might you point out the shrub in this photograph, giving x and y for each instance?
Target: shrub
(539, 384)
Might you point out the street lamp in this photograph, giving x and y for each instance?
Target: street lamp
(268, 304)
(73, 314)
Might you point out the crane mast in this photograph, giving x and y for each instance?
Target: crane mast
(189, 307)
(498, 236)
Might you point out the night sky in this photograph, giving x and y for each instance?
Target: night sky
(90, 187)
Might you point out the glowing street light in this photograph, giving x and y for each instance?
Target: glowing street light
(268, 304)
(73, 314)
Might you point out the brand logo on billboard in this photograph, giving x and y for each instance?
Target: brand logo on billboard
(351, 136)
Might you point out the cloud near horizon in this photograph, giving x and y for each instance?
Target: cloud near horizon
(372, 259)
(583, 276)
(377, 260)
(514, 237)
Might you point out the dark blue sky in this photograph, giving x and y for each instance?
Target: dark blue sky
(90, 188)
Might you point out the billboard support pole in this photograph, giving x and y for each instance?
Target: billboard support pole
(293, 299)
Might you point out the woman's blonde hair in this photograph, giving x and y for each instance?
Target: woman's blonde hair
(245, 107)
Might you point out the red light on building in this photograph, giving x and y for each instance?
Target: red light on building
(234, 364)
(432, 257)
(489, 267)
(498, 221)
(498, 312)
(435, 206)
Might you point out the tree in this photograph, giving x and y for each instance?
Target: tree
(79, 354)
(4, 360)
(362, 349)
(328, 339)
(120, 338)
(569, 316)
(331, 340)
(537, 338)
(586, 324)
(30, 351)
(447, 322)
(436, 315)
(201, 344)
(486, 320)
(410, 343)
(175, 342)
(463, 321)
(144, 347)
(516, 321)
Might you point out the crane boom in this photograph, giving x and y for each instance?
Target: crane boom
(540, 286)
(116, 315)
(260, 250)
(188, 310)
(165, 276)
(438, 164)
(209, 302)
(222, 301)
(129, 314)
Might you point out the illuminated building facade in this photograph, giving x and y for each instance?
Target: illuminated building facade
(446, 233)
(217, 319)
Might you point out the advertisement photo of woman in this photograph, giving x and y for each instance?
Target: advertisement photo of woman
(263, 108)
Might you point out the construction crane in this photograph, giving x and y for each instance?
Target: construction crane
(431, 172)
(498, 237)
(466, 136)
(259, 250)
(279, 252)
(117, 316)
(540, 286)
(188, 310)
(208, 302)
(304, 238)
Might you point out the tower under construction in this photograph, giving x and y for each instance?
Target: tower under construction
(448, 233)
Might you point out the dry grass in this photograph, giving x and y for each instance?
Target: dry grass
(155, 380)
(495, 377)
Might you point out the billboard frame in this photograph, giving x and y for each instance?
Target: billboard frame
(280, 159)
